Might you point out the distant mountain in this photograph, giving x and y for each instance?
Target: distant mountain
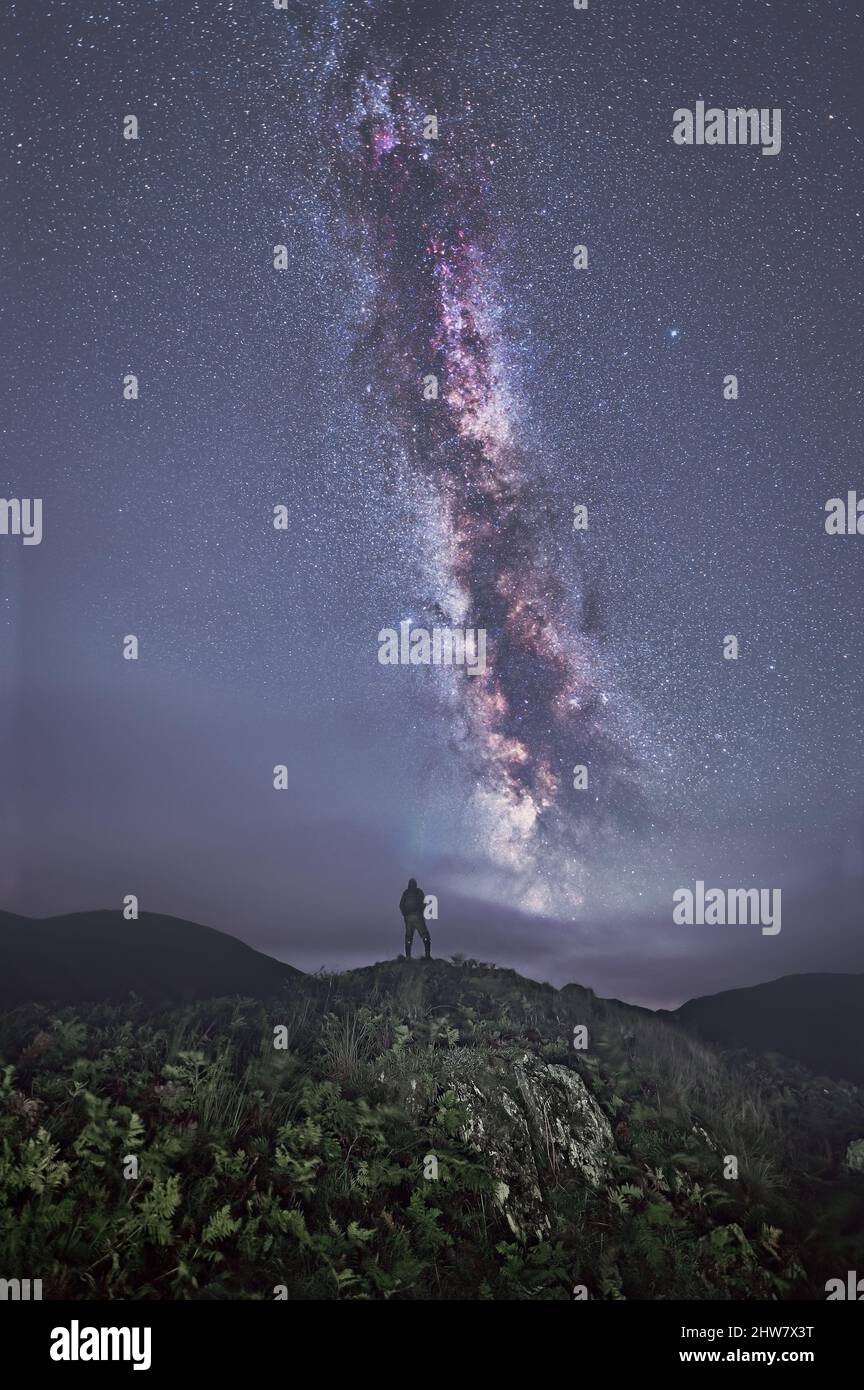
(87, 956)
(817, 1019)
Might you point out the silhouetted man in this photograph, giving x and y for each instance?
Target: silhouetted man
(411, 906)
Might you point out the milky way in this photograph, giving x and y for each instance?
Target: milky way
(419, 210)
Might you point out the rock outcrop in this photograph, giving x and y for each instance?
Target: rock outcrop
(534, 1123)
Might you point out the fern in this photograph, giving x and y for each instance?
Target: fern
(221, 1225)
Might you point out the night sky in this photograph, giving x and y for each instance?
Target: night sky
(303, 387)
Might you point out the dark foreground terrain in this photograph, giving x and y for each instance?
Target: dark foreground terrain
(415, 1131)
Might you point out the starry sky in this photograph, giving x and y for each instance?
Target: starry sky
(302, 387)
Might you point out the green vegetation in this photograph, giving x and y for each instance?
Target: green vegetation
(304, 1166)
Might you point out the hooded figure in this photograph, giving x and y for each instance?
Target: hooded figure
(411, 906)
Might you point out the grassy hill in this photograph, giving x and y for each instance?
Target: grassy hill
(422, 1131)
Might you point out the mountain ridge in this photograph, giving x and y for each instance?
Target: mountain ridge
(86, 956)
(814, 1018)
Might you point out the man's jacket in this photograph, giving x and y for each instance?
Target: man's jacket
(412, 901)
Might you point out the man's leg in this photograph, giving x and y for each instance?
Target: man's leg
(424, 933)
(409, 936)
